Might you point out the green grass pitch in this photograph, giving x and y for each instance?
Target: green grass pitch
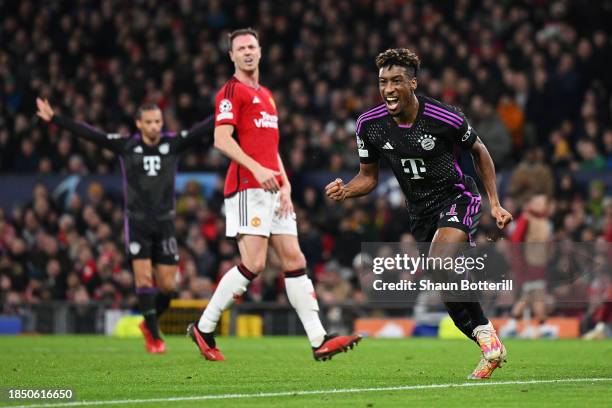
(104, 369)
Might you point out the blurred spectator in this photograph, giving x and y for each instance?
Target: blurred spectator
(513, 118)
(591, 158)
(534, 231)
(598, 317)
(536, 68)
(531, 177)
(493, 132)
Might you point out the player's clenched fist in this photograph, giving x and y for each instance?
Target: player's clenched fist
(336, 190)
(502, 216)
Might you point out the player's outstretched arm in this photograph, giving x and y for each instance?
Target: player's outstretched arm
(228, 146)
(201, 131)
(486, 170)
(363, 183)
(112, 142)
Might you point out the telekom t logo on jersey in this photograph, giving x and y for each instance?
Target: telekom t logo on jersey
(416, 167)
(152, 164)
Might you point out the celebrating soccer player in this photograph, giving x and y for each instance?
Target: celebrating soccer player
(258, 206)
(148, 163)
(421, 138)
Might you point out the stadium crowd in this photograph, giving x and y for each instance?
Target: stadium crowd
(530, 75)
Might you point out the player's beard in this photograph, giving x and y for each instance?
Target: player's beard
(152, 137)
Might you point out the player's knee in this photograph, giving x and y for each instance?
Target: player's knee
(439, 269)
(295, 261)
(441, 251)
(167, 285)
(143, 281)
(256, 265)
(143, 275)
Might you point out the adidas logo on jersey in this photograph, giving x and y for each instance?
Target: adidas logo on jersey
(387, 146)
(453, 219)
(256, 100)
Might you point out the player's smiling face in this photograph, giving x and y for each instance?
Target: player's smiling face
(396, 88)
(246, 52)
(150, 124)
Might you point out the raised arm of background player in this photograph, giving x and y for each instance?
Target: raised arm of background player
(198, 132)
(229, 147)
(112, 142)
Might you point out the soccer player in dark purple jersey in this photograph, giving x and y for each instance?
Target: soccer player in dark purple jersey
(148, 162)
(421, 139)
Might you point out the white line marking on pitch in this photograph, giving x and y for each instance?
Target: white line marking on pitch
(313, 392)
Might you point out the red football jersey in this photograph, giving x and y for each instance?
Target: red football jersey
(253, 114)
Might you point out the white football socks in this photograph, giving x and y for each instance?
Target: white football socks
(232, 285)
(300, 292)
(303, 298)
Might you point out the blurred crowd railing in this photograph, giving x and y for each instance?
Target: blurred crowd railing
(63, 187)
(59, 317)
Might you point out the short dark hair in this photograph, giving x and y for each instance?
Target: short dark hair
(149, 106)
(239, 32)
(402, 57)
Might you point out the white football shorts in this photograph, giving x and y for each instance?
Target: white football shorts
(255, 212)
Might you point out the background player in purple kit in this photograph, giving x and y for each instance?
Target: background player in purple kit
(148, 162)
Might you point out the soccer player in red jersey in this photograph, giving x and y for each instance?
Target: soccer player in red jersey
(259, 211)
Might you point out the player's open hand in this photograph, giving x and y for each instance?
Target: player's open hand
(335, 190)
(501, 215)
(267, 178)
(285, 208)
(45, 111)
